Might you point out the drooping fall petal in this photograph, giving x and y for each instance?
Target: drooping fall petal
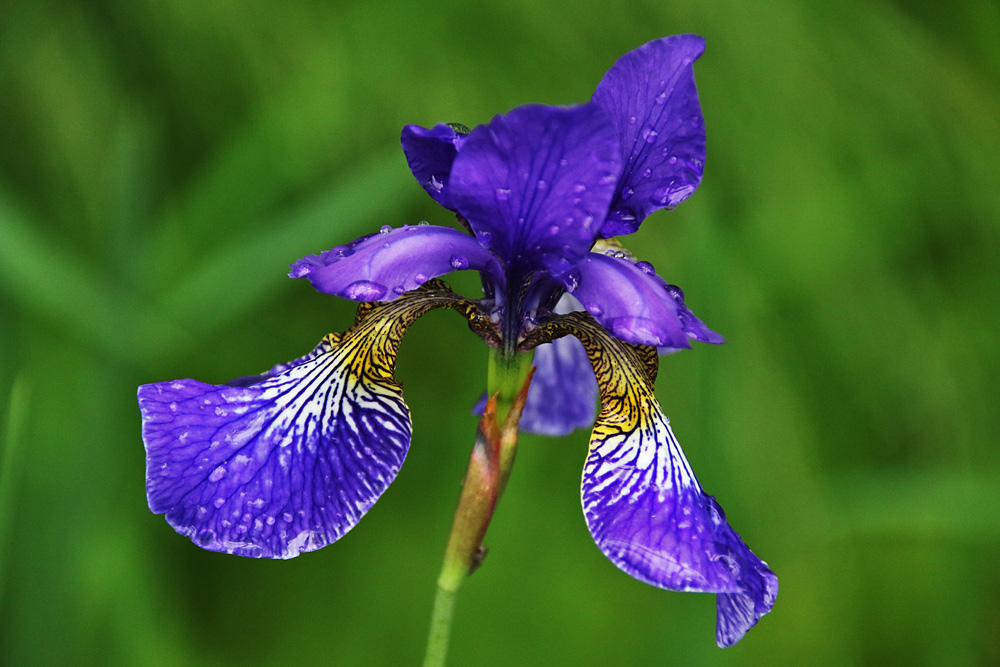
(287, 462)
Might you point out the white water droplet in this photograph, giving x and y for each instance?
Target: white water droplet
(364, 290)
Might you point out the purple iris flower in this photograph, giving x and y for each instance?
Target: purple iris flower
(289, 461)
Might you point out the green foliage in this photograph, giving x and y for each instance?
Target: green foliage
(162, 163)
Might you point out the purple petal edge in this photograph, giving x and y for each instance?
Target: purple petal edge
(651, 97)
(429, 153)
(285, 465)
(382, 266)
(628, 300)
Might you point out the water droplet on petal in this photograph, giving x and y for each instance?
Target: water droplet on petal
(645, 267)
(435, 184)
(399, 289)
(458, 262)
(423, 223)
(580, 187)
(553, 230)
(503, 194)
(627, 192)
(650, 135)
(219, 502)
(287, 517)
(647, 173)
(217, 474)
(595, 309)
(542, 185)
(420, 278)
(385, 229)
(660, 196)
(673, 159)
(662, 98)
(364, 290)
(631, 120)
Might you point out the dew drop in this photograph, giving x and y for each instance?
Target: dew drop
(458, 262)
(364, 290)
(660, 196)
(219, 502)
(647, 173)
(673, 159)
(503, 194)
(423, 223)
(650, 135)
(542, 185)
(420, 278)
(217, 474)
(572, 281)
(580, 188)
(286, 517)
(270, 520)
(384, 229)
(631, 120)
(595, 309)
(645, 267)
(627, 192)
(553, 230)
(662, 98)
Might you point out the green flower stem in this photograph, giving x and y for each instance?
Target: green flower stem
(489, 468)
(506, 377)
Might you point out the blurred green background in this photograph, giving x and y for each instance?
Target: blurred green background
(161, 163)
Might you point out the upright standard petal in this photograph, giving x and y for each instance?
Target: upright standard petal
(535, 183)
(291, 462)
(652, 100)
(643, 504)
(628, 299)
(381, 266)
(430, 152)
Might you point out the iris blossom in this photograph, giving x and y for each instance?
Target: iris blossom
(288, 461)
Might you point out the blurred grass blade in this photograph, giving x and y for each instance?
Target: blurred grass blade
(935, 504)
(10, 470)
(46, 279)
(251, 268)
